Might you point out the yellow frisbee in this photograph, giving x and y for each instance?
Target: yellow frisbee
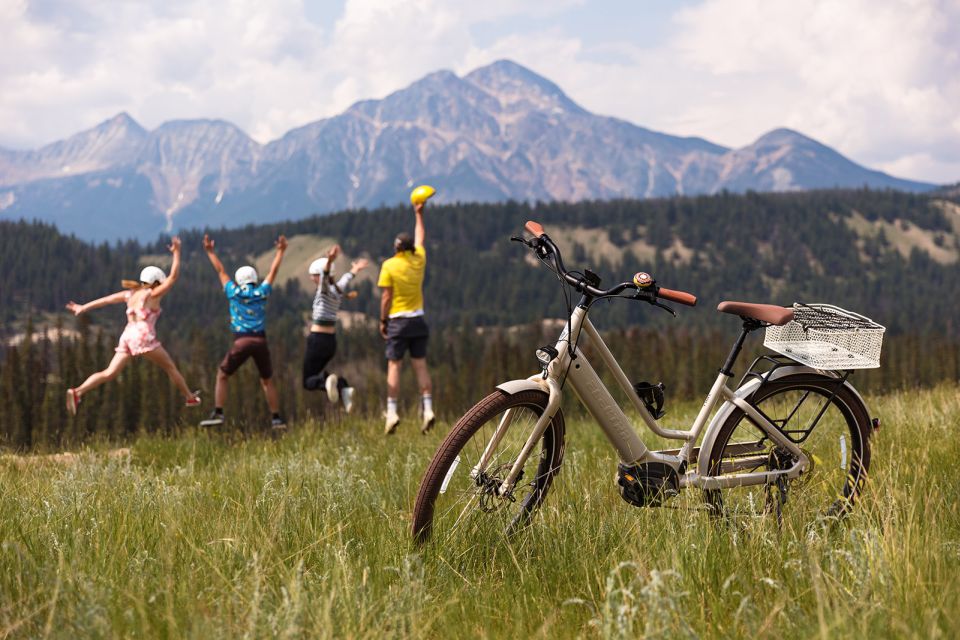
(421, 194)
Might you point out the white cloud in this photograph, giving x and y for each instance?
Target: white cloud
(157, 63)
(879, 81)
(922, 164)
(263, 66)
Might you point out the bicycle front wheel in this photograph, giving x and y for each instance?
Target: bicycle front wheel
(827, 422)
(460, 497)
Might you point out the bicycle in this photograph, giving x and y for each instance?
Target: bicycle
(793, 427)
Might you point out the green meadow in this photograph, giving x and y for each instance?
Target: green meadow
(209, 535)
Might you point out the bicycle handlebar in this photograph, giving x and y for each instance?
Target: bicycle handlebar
(680, 297)
(545, 247)
(534, 227)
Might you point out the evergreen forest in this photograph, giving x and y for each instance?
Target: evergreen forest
(887, 255)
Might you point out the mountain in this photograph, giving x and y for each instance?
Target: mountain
(112, 143)
(498, 133)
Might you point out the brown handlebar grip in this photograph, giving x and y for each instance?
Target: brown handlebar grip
(534, 227)
(680, 297)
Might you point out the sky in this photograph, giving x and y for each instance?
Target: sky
(878, 80)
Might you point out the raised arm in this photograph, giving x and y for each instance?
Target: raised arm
(113, 298)
(164, 287)
(208, 246)
(281, 245)
(356, 267)
(418, 231)
(332, 254)
(359, 265)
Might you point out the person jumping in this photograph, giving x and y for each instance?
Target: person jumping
(139, 338)
(401, 320)
(248, 301)
(322, 341)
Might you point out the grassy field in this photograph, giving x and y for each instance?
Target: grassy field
(209, 536)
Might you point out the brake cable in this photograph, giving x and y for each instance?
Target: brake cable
(541, 247)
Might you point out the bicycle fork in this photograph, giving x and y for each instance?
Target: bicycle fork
(539, 428)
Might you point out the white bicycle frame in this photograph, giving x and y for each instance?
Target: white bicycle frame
(595, 396)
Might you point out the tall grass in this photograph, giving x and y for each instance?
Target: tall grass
(208, 535)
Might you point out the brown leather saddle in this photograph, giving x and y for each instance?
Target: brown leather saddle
(768, 313)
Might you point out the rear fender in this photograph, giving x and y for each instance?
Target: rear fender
(746, 391)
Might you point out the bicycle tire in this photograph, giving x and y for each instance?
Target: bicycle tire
(833, 458)
(455, 446)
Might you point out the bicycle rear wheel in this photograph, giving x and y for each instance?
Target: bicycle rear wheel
(829, 423)
(459, 500)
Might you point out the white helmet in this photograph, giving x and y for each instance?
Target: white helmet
(246, 275)
(317, 267)
(152, 275)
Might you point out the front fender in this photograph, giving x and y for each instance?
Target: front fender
(744, 391)
(512, 387)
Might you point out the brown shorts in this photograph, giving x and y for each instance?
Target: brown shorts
(248, 347)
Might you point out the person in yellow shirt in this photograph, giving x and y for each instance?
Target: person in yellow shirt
(402, 324)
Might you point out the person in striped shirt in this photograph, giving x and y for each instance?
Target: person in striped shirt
(322, 341)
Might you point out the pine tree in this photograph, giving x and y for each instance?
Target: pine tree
(6, 393)
(11, 388)
(29, 384)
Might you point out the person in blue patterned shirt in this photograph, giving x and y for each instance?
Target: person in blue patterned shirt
(248, 306)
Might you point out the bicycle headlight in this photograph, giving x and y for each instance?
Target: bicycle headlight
(546, 355)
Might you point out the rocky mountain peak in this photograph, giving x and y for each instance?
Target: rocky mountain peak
(197, 143)
(121, 122)
(120, 131)
(516, 86)
(440, 99)
(783, 136)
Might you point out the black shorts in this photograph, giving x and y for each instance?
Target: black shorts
(404, 334)
(245, 347)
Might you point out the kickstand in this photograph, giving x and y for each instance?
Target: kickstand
(776, 498)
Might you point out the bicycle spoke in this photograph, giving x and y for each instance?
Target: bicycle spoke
(830, 438)
(466, 502)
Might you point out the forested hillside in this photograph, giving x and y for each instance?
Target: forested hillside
(888, 255)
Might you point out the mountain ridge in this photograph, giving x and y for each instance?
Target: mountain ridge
(499, 132)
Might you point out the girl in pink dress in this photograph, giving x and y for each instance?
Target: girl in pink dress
(139, 338)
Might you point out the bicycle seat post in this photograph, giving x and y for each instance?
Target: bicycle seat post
(749, 324)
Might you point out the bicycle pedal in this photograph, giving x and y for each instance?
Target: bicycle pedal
(652, 397)
(647, 484)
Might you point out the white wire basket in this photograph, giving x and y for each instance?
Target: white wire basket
(823, 336)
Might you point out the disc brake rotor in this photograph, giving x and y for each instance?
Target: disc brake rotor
(489, 485)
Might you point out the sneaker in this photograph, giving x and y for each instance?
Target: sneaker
(278, 424)
(215, 420)
(347, 396)
(428, 421)
(193, 401)
(333, 393)
(73, 401)
(391, 425)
